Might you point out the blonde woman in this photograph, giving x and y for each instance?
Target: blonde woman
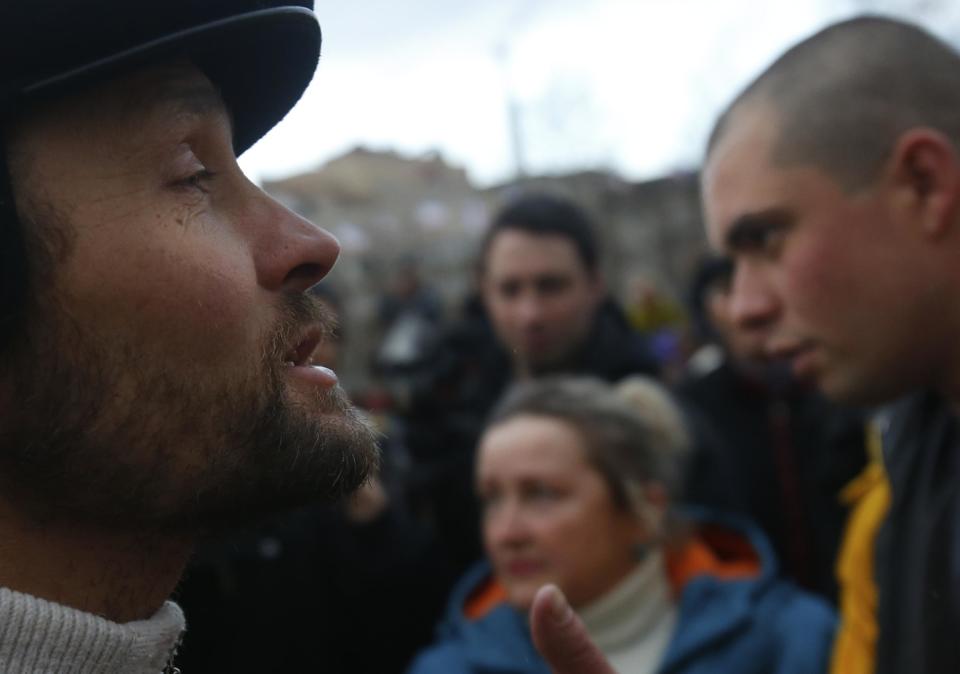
(578, 481)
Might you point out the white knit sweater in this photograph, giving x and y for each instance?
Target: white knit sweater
(38, 636)
(634, 622)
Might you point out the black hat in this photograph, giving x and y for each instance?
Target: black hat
(261, 54)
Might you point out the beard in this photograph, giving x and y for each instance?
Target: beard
(105, 430)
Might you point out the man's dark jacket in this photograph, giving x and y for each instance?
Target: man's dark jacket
(918, 549)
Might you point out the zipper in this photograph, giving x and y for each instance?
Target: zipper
(171, 668)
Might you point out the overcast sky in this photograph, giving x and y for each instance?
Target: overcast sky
(629, 85)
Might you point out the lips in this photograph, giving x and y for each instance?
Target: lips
(518, 568)
(537, 341)
(299, 361)
(302, 352)
(800, 355)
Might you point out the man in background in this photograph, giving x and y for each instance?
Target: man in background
(767, 446)
(542, 308)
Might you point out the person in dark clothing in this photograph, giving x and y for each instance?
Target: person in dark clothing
(409, 317)
(542, 308)
(767, 445)
(833, 181)
(319, 589)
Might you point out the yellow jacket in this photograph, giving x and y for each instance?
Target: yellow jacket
(868, 496)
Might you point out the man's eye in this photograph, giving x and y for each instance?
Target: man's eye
(509, 290)
(553, 285)
(773, 242)
(200, 180)
(756, 240)
(764, 241)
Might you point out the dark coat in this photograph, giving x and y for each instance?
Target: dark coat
(779, 454)
(310, 591)
(918, 549)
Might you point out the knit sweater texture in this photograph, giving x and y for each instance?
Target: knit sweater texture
(43, 637)
(633, 624)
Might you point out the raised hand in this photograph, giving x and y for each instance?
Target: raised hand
(561, 637)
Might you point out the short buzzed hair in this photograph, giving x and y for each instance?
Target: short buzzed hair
(846, 94)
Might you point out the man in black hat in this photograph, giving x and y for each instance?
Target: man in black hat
(155, 363)
(156, 336)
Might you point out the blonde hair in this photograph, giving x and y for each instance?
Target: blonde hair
(651, 401)
(633, 434)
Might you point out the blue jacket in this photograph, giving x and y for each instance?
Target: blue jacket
(753, 625)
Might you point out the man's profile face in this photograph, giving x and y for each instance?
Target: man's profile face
(540, 296)
(833, 279)
(162, 378)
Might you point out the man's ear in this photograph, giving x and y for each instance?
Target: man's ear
(925, 170)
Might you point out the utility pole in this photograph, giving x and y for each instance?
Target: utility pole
(514, 111)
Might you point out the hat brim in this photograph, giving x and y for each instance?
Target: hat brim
(260, 61)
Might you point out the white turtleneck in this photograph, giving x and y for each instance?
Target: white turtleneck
(38, 636)
(634, 622)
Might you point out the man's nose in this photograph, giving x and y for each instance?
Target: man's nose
(292, 253)
(753, 304)
(529, 308)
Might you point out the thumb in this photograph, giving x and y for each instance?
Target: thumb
(561, 638)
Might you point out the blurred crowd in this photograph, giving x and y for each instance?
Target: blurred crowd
(646, 456)
(547, 477)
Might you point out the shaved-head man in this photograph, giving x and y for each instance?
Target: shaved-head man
(833, 182)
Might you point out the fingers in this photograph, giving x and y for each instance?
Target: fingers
(561, 638)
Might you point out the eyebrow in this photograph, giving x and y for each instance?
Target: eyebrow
(177, 98)
(749, 231)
